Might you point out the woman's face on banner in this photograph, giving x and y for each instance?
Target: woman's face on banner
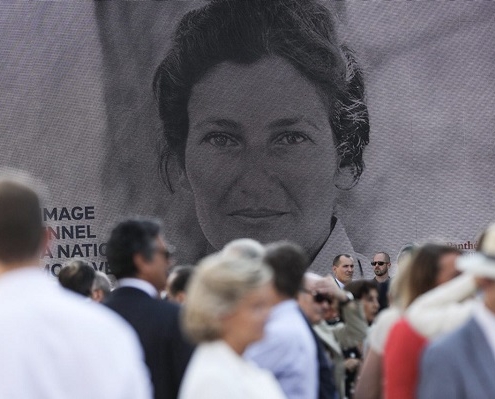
(260, 155)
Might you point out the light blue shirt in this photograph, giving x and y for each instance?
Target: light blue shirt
(288, 350)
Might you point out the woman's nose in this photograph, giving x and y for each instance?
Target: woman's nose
(255, 170)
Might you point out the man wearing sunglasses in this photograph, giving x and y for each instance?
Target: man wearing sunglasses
(315, 297)
(381, 265)
(140, 259)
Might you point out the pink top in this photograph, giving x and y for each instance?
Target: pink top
(401, 361)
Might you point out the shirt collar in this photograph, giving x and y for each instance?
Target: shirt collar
(139, 284)
(339, 283)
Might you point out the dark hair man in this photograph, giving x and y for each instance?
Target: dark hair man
(288, 349)
(343, 269)
(140, 259)
(48, 335)
(381, 265)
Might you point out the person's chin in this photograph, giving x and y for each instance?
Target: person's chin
(263, 229)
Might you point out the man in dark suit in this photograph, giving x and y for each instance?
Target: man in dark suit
(140, 259)
(461, 364)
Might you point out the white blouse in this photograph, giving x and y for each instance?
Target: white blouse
(217, 372)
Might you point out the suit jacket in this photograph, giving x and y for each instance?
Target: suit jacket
(459, 365)
(157, 325)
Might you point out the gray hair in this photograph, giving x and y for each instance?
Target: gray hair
(218, 285)
(102, 282)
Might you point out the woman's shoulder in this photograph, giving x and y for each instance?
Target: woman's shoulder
(215, 371)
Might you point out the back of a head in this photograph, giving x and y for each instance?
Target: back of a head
(181, 277)
(21, 225)
(289, 262)
(215, 289)
(77, 276)
(421, 274)
(133, 236)
(245, 248)
(360, 288)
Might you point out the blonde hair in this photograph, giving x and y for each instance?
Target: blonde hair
(218, 285)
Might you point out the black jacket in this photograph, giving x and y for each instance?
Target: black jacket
(157, 325)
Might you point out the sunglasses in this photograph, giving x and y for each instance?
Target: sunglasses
(378, 263)
(317, 297)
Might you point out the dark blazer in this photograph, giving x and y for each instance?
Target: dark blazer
(460, 365)
(157, 325)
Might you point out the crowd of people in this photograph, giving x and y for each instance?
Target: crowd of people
(249, 321)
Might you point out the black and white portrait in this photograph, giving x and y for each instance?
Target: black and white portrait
(346, 126)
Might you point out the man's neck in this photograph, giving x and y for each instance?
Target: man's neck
(279, 298)
(382, 279)
(7, 267)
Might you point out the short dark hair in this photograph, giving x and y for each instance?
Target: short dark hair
(360, 288)
(133, 236)
(302, 32)
(289, 263)
(77, 276)
(182, 277)
(336, 260)
(387, 256)
(21, 224)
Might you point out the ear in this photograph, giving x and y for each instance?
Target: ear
(181, 297)
(184, 181)
(345, 177)
(97, 295)
(140, 263)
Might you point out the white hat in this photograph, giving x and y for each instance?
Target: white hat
(482, 263)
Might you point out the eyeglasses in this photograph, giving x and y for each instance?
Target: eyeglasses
(318, 297)
(379, 263)
(167, 253)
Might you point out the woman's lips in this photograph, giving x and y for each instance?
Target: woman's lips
(257, 213)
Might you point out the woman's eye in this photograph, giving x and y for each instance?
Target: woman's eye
(291, 138)
(220, 140)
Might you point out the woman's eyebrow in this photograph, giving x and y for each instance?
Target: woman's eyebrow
(220, 122)
(287, 122)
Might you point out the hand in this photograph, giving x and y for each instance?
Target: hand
(352, 364)
(327, 286)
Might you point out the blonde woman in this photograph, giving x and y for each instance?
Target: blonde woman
(229, 300)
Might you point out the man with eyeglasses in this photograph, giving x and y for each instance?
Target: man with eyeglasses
(381, 265)
(315, 297)
(140, 259)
